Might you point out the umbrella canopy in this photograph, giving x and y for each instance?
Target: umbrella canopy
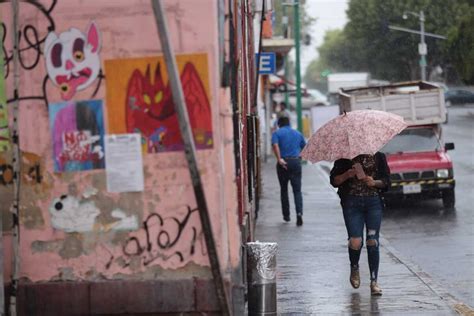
(352, 134)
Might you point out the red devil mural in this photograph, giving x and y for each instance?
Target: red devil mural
(150, 110)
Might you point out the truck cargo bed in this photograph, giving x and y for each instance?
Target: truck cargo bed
(419, 102)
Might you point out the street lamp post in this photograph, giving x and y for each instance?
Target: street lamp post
(297, 66)
(296, 18)
(422, 48)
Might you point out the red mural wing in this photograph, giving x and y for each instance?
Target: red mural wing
(198, 105)
(134, 92)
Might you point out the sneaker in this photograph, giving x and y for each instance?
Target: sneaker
(299, 220)
(355, 277)
(375, 289)
(286, 218)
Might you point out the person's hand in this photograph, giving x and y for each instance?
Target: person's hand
(369, 181)
(350, 173)
(282, 163)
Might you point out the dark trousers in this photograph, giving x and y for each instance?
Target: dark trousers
(291, 174)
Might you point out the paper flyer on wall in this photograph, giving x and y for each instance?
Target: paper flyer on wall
(124, 163)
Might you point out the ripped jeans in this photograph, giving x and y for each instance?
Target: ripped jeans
(359, 211)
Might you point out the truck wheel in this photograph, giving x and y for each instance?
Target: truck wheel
(449, 198)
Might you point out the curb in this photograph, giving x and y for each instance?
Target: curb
(437, 289)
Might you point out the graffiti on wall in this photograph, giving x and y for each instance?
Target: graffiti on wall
(72, 59)
(32, 40)
(140, 98)
(73, 214)
(31, 169)
(159, 237)
(78, 130)
(4, 133)
(6, 172)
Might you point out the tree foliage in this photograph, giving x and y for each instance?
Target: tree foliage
(367, 44)
(279, 9)
(461, 46)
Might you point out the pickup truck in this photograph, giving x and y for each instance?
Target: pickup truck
(419, 163)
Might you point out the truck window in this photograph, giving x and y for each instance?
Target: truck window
(413, 140)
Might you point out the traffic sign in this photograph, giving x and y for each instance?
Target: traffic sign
(267, 63)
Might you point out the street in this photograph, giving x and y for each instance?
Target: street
(312, 263)
(439, 241)
(426, 255)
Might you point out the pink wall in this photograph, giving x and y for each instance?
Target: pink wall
(127, 30)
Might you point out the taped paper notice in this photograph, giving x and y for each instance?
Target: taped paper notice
(124, 163)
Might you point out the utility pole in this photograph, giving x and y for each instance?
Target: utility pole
(422, 49)
(190, 152)
(297, 66)
(296, 18)
(285, 33)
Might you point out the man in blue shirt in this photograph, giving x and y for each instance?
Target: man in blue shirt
(287, 144)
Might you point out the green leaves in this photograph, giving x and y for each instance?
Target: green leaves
(367, 44)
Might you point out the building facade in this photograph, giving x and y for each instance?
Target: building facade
(83, 233)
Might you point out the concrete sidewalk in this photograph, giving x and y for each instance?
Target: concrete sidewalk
(313, 264)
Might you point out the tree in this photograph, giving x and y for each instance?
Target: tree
(367, 44)
(461, 45)
(305, 20)
(333, 57)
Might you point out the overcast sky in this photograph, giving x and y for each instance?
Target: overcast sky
(330, 14)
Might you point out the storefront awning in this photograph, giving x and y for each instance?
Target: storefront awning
(278, 45)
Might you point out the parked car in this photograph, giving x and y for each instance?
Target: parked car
(309, 97)
(458, 96)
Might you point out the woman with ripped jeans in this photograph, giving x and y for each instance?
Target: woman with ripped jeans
(360, 182)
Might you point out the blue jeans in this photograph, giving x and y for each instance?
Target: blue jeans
(293, 175)
(360, 211)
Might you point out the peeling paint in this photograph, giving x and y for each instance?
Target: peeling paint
(89, 192)
(65, 274)
(72, 189)
(71, 215)
(39, 246)
(72, 247)
(32, 217)
(124, 222)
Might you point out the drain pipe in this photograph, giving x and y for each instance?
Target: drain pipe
(190, 151)
(15, 208)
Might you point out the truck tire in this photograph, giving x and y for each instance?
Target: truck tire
(449, 199)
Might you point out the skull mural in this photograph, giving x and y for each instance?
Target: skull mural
(72, 59)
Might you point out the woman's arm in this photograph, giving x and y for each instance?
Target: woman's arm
(340, 179)
(379, 184)
(383, 174)
(341, 172)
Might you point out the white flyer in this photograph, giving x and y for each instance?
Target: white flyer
(124, 163)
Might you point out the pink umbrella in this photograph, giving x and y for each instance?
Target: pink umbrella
(352, 134)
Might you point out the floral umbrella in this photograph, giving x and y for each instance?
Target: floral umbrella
(352, 134)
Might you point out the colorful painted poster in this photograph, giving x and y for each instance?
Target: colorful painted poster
(77, 129)
(4, 132)
(72, 59)
(139, 100)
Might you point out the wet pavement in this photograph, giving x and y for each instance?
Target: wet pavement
(313, 265)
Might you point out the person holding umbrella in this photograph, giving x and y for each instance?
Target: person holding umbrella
(361, 174)
(360, 182)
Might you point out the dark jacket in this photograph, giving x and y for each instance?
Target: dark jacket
(342, 165)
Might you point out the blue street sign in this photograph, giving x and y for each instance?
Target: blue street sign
(267, 63)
